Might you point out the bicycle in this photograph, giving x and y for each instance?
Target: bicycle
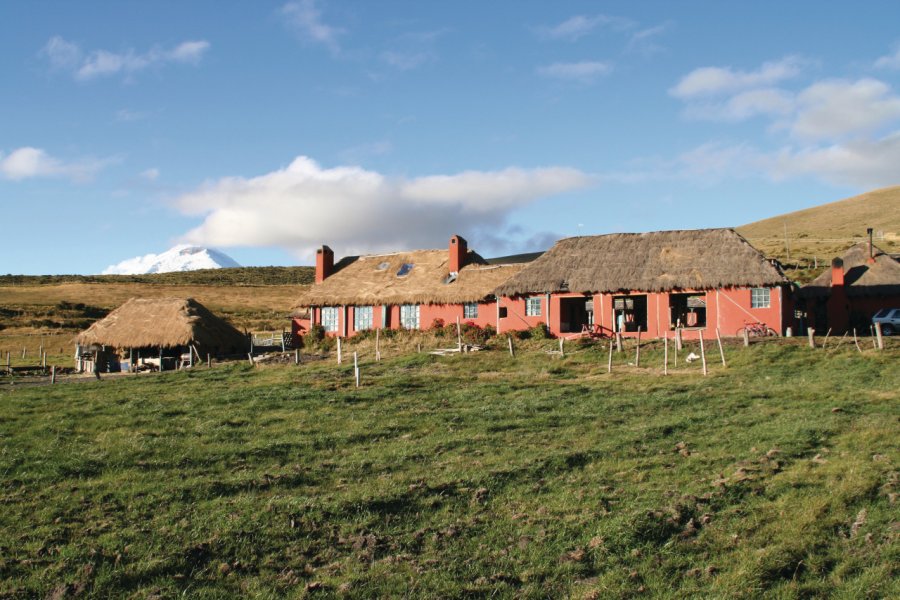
(756, 329)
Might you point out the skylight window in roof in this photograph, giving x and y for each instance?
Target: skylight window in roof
(382, 266)
(405, 268)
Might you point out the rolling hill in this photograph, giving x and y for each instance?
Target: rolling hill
(823, 232)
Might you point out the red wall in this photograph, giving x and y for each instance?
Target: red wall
(726, 309)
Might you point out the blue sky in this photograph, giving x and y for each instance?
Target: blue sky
(268, 128)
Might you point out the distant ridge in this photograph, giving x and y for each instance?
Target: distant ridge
(825, 231)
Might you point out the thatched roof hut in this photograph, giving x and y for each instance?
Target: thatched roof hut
(861, 277)
(164, 323)
(384, 279)
(658, 261)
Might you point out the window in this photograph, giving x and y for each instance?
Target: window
(330, 318)
(759, 298)
(409, 316)
(362, 318)
(404, 270)
(470, 311)
(532, 307)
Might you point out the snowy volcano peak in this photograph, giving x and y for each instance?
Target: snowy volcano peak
(182, 257)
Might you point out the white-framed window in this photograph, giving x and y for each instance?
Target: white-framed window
(760, 298)
(470, 310)
(532, 307)
(409, 316)
(330, 318)
(362, 318)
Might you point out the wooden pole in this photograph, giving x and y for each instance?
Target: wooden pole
(637, 352)
(856, 341)
(296, 356)
(23, 352)
(378, 344)
(679, 343)
(702, 353)
(812, 337)
(746, 335)
(878, 335)
(676, 350)
(53, 374)
(356, 369)
(8, 362)
(458, 335)
(666, 353)
(562, 351)
(208, 361)
(250, 358)
(825, 341)
(43, 360)
(512, 353)
(618, 342)
(721, 351)
(609, 363)
(283, 349)
(872, 337)
(340, 357)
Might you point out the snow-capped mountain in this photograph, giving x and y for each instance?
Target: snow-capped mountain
(183, 257)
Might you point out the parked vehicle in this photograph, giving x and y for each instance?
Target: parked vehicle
(889, 319)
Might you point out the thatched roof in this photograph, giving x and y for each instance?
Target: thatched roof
(653, 262)
(166, 323)
(373, 279)
(860, 277)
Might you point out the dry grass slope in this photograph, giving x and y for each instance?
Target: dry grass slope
(828, 230)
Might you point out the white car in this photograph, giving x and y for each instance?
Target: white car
(889, 319)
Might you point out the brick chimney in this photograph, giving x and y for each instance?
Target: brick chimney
(324, 263)
(837, 272)
(458, 251)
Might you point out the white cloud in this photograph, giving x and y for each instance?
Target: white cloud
(29, 163)
(709, 81)
(744, 105)
(151, 174)
(644, 41)
(581, 72)
(862, 163)
(99, 63)
(405, 61)
(579, 26)
(306, 19)
(303, 205)
(889, 61)
(833, 108)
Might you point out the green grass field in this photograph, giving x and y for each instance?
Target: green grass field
(467, 476)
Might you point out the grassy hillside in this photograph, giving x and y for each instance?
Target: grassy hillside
(216, 277)
(825, 231)
(470, 476)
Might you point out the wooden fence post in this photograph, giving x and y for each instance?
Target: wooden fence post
(609, 364)
(378, 344)
(512, 353)
(356, 369)
(23, 352)
(250, 358)
(340, 357)
(825, 341)
(878, 335)
(618, 342)
(562, 352)
(679, 343)
(702, 353)
(746, 335)
(458, 335)
(53, 374)
(856, 341)
(208, 361)
(721, 350)
(812, 337)
(637, 351)
(296, 356)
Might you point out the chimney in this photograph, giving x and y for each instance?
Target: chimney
(871, 259)
(458, 251)
(324, 263)
(837, 272)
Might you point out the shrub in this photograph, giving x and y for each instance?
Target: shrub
(438, 327)
(540, 332)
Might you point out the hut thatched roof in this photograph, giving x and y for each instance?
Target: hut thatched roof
(165, 323)
(374, 279)
(860, 278)
(653, 262)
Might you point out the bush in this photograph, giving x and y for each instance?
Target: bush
(540, 332)
(438, 327)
